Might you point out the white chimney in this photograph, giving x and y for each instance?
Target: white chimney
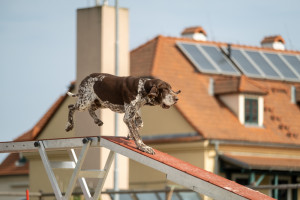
(96, 30)
(195, 33)
(273, 42)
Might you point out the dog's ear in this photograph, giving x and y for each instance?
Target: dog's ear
(153, 92)
(151, 88)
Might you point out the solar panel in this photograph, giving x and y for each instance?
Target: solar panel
(208, 58)
(216, 55)
(281, 66)
(293, 61)
(263, 64)
(244, 64)
(197, 58)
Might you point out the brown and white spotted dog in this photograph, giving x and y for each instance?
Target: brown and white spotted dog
(123, 95)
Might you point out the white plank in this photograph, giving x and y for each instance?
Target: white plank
(92, 173)
(62, 165)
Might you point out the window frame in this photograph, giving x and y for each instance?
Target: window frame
(251, 112)
(260, 110)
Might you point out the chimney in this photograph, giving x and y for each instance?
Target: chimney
(96, 31)
(273, 42)
(195, 33)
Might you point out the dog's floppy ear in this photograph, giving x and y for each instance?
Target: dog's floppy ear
(153, 92)
(151, 88)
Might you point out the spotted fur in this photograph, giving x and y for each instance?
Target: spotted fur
(122, 95)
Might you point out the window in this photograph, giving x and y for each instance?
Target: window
(283, 194)
(251, 111)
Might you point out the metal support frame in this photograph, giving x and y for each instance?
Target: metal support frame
(49, 171)
(75, 164)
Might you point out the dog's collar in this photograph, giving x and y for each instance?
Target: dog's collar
(141, 89)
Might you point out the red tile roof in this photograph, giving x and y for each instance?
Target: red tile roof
(9, 167)
(36, 130)
(202, 111)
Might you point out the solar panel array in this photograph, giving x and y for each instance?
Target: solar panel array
(208, 59)
(270, 65)
(252, 63)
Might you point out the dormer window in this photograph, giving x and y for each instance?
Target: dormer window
(244, 98)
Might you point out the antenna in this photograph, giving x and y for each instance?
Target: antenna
(229, 50)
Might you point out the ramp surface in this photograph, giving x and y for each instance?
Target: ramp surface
(176, 170)
(182, 172)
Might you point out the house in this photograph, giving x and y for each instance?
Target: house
(238, 114)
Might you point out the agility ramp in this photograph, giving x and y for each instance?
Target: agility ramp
(176, 170)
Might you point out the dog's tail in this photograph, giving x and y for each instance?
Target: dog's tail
(72, 95)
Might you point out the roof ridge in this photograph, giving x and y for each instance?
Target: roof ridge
(34, 132)
(145, 44)
(156, 54)
(219, 43)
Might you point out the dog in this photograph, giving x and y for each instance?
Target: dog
(122, 95)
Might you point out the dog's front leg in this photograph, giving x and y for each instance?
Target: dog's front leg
(139, 124)
(129, 120)
(138, 121)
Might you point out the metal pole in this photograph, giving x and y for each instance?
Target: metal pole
(276, 184)
(116, 172)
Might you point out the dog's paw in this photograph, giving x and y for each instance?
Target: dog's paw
(99, 122)
(129, 137)
(146, 149)
(69, 127)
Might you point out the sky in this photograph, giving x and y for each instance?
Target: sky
(38, 42)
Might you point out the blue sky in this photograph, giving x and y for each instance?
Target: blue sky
(38, 42)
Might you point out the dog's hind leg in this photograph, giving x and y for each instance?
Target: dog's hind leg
(70, 123)
(92, 110)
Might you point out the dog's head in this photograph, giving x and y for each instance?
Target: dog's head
(160, 93)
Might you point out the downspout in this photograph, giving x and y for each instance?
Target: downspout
(116, 172)
(216, 169)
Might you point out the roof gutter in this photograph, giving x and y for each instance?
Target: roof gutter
(249, 143)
